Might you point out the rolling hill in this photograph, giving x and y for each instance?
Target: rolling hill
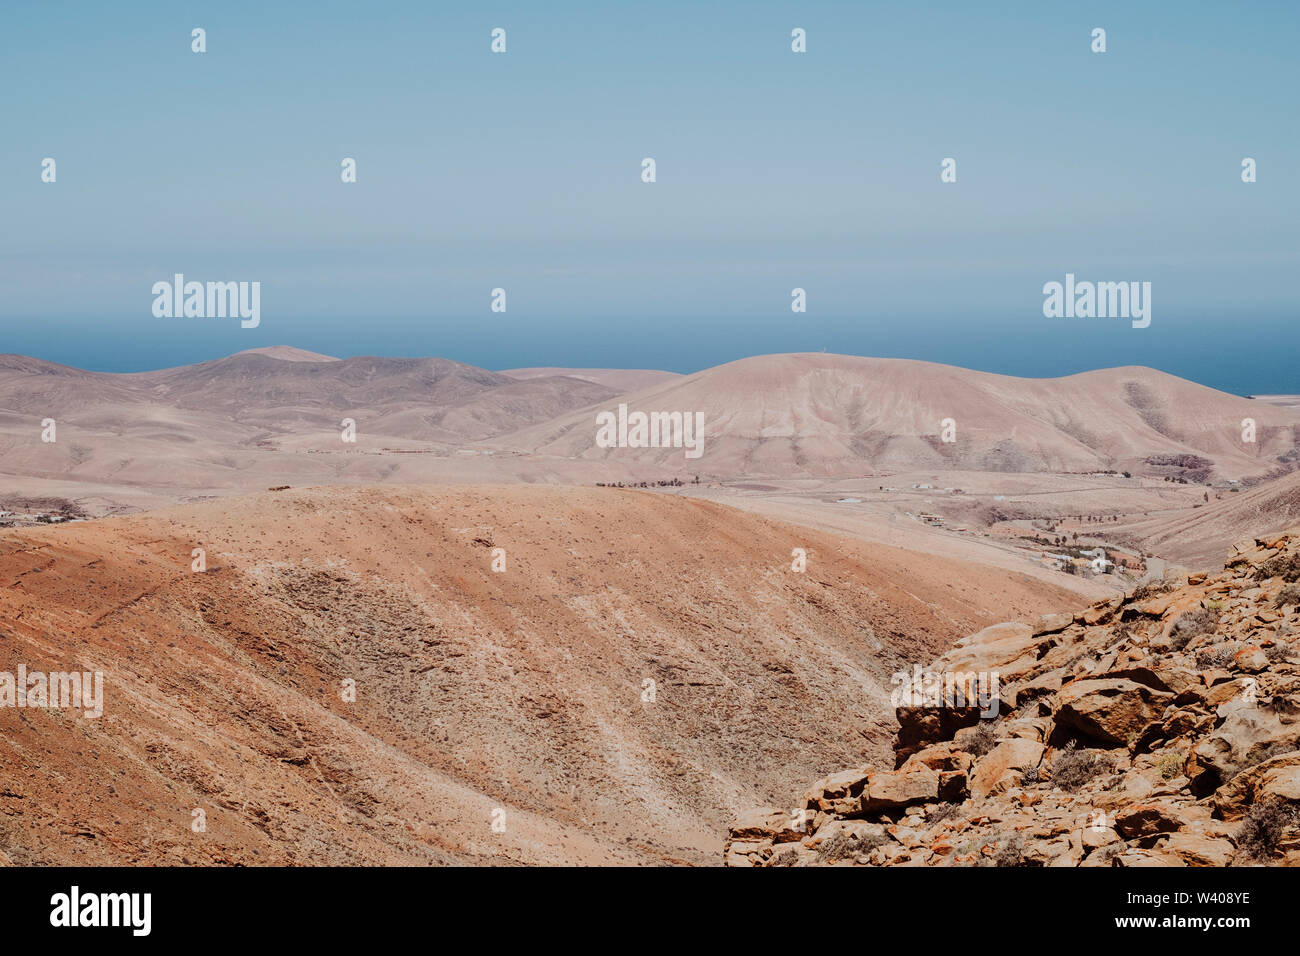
(831, 415)
(270, 417)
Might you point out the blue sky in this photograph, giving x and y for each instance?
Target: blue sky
(775, 170)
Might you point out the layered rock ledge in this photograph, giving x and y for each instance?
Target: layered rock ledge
(1157, 729)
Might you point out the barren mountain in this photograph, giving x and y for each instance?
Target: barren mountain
(1157, 729)
(619, 379)
(264, 418)
(280, 390)
(289, 354)
(276, 416)
(644, 666)
(825, 415)
(419, 399)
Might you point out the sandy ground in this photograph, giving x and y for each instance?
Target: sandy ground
(476, 691)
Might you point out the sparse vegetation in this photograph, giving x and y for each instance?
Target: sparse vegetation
(1262, 828)
(1107, 854)
(944, 811)
(1170, 765)
(1144, 591)
(847, 846)
(666, 483)
(1258, 755)
(786, 857)
(1074, 767)
(1278, 652)
(1192, 625)
(1208, 658)
(1172, 742)
(1290, 594)
(984, 739)
(1010, 850)
(1286, 567)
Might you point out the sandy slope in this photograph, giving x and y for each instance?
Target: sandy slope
(288, 353)
(819, 414)
(619, 379)
(1201, 537)
(475, 690)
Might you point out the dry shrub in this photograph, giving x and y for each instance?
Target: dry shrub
(1263, 827)
(1073, 767)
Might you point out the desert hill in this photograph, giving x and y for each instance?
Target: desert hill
(417, 399)
(1158, 729)
(289, 354)
(619, 379)
(263, 418)
(475, 690)
(280, 390)
(1200, 537)
(274, 416)
(818, 414)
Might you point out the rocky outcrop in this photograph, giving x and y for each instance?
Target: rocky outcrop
(1160, 729)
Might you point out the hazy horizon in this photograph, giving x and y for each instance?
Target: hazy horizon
(776, 170)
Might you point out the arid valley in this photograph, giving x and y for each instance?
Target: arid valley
(410, 611)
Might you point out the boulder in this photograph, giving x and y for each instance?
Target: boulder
(1165, 676)
(1252, 660)
(1179, 755)
(1200, 849)
(1275, 779)
(857, 831)
(896, 789)
(1145, 820)
(1005, 766)
(1092, 838)
(824, 794)
(1113, 711)
(1139, 858)
(1236, 691)
(763, 823)
(1053, 623)
(1245, 733)
(1043, 685)
(745, 852)
(947, 756)
(1010, 649)
(953, 785)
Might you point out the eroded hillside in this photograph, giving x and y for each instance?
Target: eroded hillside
(523, 691)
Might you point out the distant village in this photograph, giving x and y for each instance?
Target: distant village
(26, 518)
(1084, 559)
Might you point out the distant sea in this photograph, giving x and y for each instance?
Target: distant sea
(1241, 354)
